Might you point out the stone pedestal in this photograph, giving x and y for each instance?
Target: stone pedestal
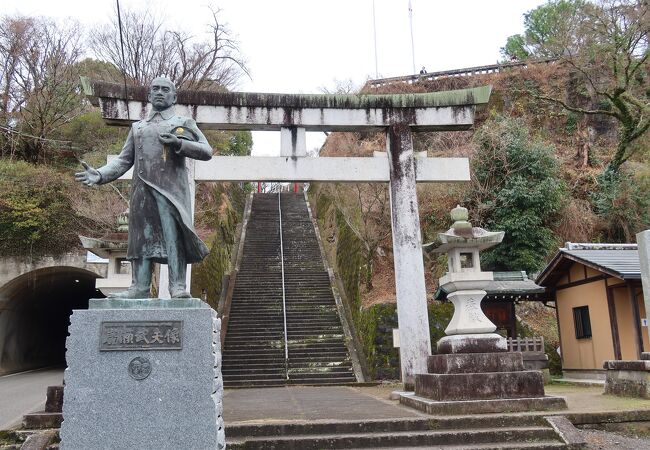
(143, 374)
(628, 378)
(478, 376)
(468, 316)
(475, 374)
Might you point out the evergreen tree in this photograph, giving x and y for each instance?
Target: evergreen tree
(516, 189)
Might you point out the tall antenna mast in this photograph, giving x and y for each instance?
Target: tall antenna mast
(374, 26)
(412, 44)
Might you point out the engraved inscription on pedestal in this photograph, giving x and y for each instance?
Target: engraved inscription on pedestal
(159, 335)
(140, 368)
(473, 309)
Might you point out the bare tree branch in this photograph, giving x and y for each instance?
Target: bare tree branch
(152, 50)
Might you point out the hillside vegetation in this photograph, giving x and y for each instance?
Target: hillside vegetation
(560, 153)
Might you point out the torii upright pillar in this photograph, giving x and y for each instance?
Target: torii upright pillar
(292, 115)
(412, 314)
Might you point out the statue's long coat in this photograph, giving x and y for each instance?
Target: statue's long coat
(163, 170)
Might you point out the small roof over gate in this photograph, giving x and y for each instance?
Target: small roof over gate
(617, 260)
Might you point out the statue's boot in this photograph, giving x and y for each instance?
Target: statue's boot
(176, 261)
(181, 293)
(132, 292)
(140, 281)
(177, 273)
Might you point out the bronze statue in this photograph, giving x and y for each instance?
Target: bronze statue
(160, 217)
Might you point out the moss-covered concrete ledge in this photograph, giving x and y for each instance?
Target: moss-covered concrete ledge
(458, 97)
(448, 110)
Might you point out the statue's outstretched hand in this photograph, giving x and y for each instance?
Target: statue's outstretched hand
(89, 176)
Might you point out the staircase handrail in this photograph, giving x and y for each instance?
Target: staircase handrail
(284, 302)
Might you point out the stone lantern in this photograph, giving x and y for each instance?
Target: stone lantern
(112, 247)
(465, 283)
(472, 370)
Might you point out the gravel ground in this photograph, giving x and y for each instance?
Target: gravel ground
(597, 440)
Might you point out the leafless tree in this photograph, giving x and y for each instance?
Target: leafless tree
(346, 86)
(151, 50)
(604, 45)
(365, 208)
(39, 82)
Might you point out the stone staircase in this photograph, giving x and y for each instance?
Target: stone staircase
(254, 353)
(460, 432)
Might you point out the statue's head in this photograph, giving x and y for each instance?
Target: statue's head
(162, 93)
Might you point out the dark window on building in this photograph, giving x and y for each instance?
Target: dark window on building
(582, 322)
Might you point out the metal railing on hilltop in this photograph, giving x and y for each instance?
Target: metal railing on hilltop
(466, 72)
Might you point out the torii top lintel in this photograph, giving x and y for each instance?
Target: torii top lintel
(436, 111)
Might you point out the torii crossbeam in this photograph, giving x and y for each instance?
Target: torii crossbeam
(292, 115)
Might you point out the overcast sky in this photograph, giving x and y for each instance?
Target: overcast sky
(301, 46)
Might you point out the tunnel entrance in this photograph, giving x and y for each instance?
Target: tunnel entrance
(35, 310)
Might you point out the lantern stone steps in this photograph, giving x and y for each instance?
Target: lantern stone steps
(254, 345)
(452, 432)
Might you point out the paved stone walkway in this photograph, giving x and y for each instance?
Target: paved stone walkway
(583, 399)
(307, 403)
(331, 403)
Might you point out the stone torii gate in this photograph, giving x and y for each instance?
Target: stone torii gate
(294, 114)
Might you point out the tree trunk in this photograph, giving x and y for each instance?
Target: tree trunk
(620, 156)
(369, 260)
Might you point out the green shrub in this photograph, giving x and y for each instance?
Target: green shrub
(36, 215)
(517, 189)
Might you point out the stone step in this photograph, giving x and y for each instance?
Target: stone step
(327, 359)
(268, 336)
(42, 420)
(322, 375)
(266, 339)
(325, 343)
(294, 304)
(259, 322)
(241, 320)
(329, 351)
(294, 350)
(252, 353)
(261, 359)
(255, 337)
(540, 445)
(231, 364)
(274, 347)
(250, 372)
(387, 425)
(253, 332)
(293, 363)
(334, 380)
(253, 383)
(256, 376)
(469, 438)
(244, 317)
